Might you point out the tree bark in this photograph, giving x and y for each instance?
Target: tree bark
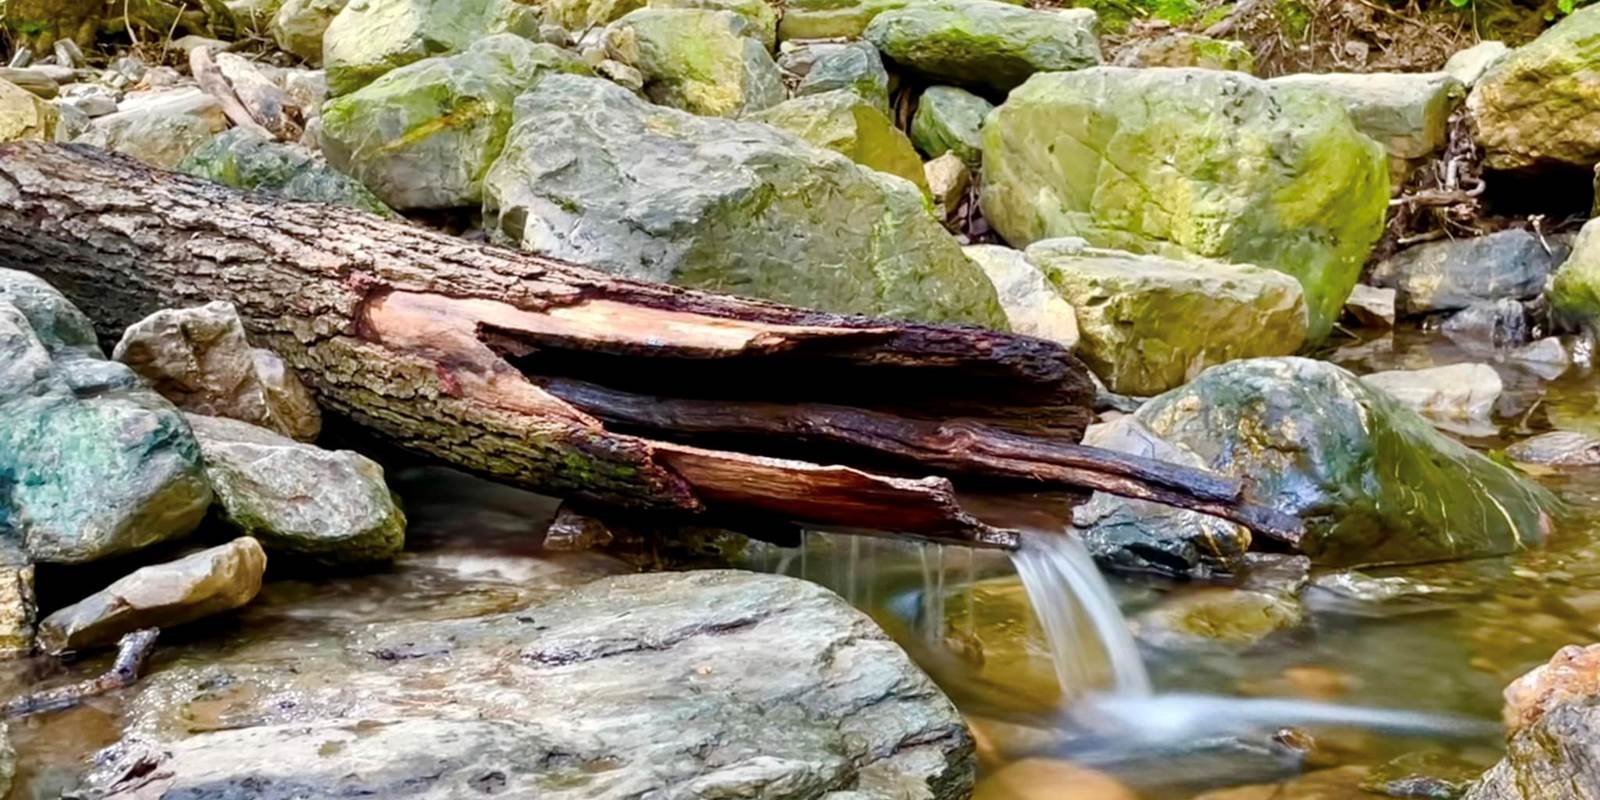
(610, 392)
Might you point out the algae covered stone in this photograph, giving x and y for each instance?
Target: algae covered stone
(1183, 49)
(855, 66)
(984, 43)
(298, 26)
(1539, 105)
(423, 135)
(371, 37)
(761, 16)
(1575, 291)
(23, 115)
(159, 128)
(699, 60)
(1373, 482)
(848, 124)
(950, 120)
(244, 159)
(1409, 113)
(1148, 324)
(830, 19)
(1189, 163)
(594, 175)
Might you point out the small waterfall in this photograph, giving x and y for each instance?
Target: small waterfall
(1067, 592)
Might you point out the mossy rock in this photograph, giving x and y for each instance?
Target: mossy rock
(246, 160)
(950, 120)
(855, 66)
(1539, 106)
(703, 61)
(848, 124)
(760, 16)
(368, 38)
(1575, 291)
(985, 44)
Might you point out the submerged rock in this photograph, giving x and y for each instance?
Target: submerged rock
(92, 463)
(1148, 324)
(1489, 325)
(159, 128)
(702, 61)
(330, 506)
(200, 359)
(1539, 105)
(849, 124)
(1408, 112)
(1032, 305)
(1049, 779)
(423, 135)
(1185, 164)
(855, 66)
(1554, 716)
(984, 43)
(1455, 273)
(246, 160)
(696, 684)
(194, 587)
(593, 174)
(950, 120)
(1430, 775)
(1456, 393)
(1373, 482)
(368, 38)
(1558, 449)
(1217, 620)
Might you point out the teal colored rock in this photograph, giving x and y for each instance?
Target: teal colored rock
(699, 60)
(986, 44)
(950, 120)
(371, 37)
(1373, 482)
(423, 135)
(760, 15)
(298, 26)
(1189, 163)
(246, 160)
(848, 124)
(1539, 105)
(1575, 291)
(1407, 112)
(1147, 324)
(594, 175)
(855, 66)
(92, 463)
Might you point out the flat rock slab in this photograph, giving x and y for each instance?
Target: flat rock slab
(701, 684)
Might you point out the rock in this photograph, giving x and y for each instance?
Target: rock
(299, 25)
(1350, 593)
(588, 15)
(621, 74)
(423, 135)
(1339, 783)
(852, 65)
(246, 160)
(831, 19)
(1408, 112)
(1148, 324)
(699, 60)
(330, 506)
(1217, 620)
(1372, 481)
(984, 43)
(24, 116)
(1554, 715)
(691, 684)
(851, 125)
(1489, 325)
(1371, 306)
(159, 128)
(1457, 393)
(1574, 293)
(1184, 49)
(761, 15)
(1546, 358)
(95, 464)
(1032, 305)
(1539, 105)
(1429, 774)
(194, 587)
(950, 120)
(1202, 163)
(92, 99)
(371, 37)
(1139, 536)
(1557, 449)
(948, 179)
(200, 359)
(18, 610)
(1455, 273)
(1049, 779)
(8, 762)
(1470, 64)
(594, 175)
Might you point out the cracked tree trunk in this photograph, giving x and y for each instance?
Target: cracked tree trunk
(622, 396)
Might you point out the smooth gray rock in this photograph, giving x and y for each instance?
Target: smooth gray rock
(1371, 305)
(694, 685)
(1490, 324)
(1558, 449)
(1407, 112)
(950, 120)
(1453, 274)
(1469, 65)
(1455, 393)
(853, 65)
(331, 506)
(200, 359)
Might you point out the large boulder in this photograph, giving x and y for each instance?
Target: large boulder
(704, 61)
(200, 359)
(1554, 715)
(855, 66)
(423, 135)
(159, 128)
(1373, 482)
(92, 463)
(693, 684)
(299, 25)
(1453, 274)
(984, 43)
(1408, 112)
(1539, 105)
(1032, 304)
(327, 506)
(194, 587)
(851, 125)
(1148, 324)
(1189, 163)
(368, 38)
(247, 160)
(593, 174)
(1575, 291)
(950, 120)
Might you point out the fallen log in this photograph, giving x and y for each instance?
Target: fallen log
(615, 394)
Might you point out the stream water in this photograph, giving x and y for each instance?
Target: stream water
(1046, 658)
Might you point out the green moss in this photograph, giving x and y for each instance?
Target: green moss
(1294, 19)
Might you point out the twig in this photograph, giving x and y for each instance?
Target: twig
(210, 78)
(132, 651)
